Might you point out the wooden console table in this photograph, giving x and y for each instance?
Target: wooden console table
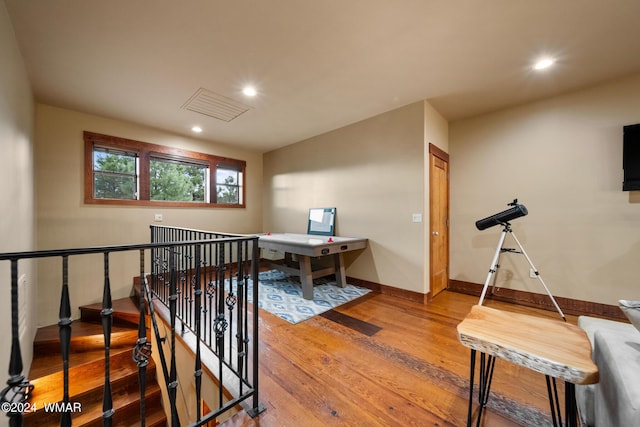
(557, 349)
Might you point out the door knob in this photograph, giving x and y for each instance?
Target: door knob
(435, 233)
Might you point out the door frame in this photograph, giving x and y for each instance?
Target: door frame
(439, 153)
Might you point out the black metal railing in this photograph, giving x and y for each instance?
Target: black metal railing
(177, 267)
(206, 289)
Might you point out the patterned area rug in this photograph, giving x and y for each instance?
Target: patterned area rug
(281, 295)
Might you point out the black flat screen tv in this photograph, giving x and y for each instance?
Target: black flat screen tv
(631, 157)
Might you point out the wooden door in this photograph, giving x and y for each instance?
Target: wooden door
(439, 219)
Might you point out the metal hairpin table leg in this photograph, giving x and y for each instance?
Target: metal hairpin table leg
(471, 377)
(554, 402)
(570, 410)
(487, 364)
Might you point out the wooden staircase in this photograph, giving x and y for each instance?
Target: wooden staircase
(86, 372)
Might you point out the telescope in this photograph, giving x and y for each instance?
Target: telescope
(502, 218)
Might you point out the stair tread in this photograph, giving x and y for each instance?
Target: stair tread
(125, 404)
(121, 404)
(87, 344)
(125, 311)
(51, 362)
(87, 370)
(128, 305)
(78, 329)
(83, 377)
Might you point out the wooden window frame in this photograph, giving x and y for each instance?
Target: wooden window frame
(145, 151)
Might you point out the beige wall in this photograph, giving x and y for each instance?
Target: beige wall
(436, 130)
(17, 194)
(66, 222)
(373, 173)
(562, 158)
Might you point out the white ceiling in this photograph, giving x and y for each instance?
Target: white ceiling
(317, 64)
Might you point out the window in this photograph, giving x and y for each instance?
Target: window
(127, 172)
(115, 174)
(177, 180)
(228, 185)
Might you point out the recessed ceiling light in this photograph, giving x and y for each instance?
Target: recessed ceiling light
(196, 129)
(249, 91)
(543, 63)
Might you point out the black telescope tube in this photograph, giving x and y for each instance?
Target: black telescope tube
(502, 217)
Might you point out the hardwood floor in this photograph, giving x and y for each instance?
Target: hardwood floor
(411, 372)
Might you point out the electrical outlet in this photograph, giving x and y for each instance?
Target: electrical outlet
(157, 217)
(416, 217)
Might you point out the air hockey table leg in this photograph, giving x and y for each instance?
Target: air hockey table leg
(306, 276)
(341, 276)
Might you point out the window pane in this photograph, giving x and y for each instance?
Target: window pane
(114, 175)
(227, 194)
(114, 186)
(114, 162)
(228, 186)
(226, 176)
(177, 181)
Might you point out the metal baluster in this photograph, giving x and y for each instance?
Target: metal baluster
(154, 259)
(217, 282)
(220, 325)
(220, 320)
(18, 387)
(240, 331)
(173, 384)
(184, 282)
(188, 280)
(183, 289)
(166, 276)
(231, 301)
(247, 276)
(257, 406)
(206, 301)
(156, 331)
(245, 299)
(198, 307)
(107, 320)
(65, 337)
(142, 349)
(194, 277)
(210, 289)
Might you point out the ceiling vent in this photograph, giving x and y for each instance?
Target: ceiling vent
(214, 105)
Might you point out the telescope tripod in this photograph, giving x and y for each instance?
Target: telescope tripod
(506, 228)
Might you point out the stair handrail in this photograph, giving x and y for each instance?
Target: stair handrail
(18, 389)
(218, 269)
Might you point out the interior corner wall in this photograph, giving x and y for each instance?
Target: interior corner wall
(436, 132)
(373, 173)
(64, 221)
(17, 194)
(562, 159)
(436, 129)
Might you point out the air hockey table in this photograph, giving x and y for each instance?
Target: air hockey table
(306, 247)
